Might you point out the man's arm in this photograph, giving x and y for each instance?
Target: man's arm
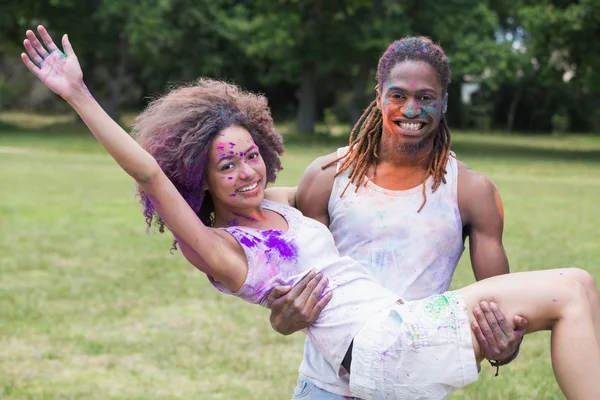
(483, 220)
(314, 189)
(285, 195)
(293, 309)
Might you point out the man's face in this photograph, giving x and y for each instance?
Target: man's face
(412, 102)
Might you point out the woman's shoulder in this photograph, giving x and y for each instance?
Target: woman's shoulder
(281, 207)
(283, 195)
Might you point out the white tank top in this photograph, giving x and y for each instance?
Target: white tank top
(278, 258)
(412, 254)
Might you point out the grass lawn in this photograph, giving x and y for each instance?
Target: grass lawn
(93, 308)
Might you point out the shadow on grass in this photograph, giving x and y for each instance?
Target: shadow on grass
(524, 152)
(480, 148)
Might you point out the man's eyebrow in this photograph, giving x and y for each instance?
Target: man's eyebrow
(404, 90)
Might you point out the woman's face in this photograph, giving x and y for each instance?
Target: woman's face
(236, 174)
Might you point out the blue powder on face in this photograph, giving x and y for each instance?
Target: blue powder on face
(275, 241)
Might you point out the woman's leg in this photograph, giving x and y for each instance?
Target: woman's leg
(564, 301)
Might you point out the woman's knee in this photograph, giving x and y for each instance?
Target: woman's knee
(577, 302)
(586, 279)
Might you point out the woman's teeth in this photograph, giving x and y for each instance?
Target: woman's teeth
(247, 188)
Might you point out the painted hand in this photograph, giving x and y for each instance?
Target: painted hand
(59, 71)
(497, 339)
(293, 309)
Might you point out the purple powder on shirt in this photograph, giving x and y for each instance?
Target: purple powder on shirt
(276, 241)
(246, 239)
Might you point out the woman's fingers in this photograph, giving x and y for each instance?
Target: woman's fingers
(36, 44)
(33, 55)
(32, 67)
(47, 39)
(67, 46)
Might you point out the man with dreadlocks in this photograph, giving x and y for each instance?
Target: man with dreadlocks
(397, 200)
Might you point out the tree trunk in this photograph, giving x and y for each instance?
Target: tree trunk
(307, 100)
(512, 109)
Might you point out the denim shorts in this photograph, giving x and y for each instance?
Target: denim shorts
(306, 390)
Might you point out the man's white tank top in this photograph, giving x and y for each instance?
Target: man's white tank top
(414, 254)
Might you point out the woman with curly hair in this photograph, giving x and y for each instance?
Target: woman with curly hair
(205, 155)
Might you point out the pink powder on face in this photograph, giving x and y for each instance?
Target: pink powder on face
(412, 84)
(220, 146)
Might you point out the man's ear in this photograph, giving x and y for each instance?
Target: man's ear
(378, 96)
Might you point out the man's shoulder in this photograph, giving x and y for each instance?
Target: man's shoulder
(471, 180)
(322, 170)
(315, 187)
(476, 192)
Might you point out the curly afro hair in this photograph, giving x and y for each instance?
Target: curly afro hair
(178, 128)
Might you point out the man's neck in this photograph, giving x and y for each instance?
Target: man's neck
(400, 170)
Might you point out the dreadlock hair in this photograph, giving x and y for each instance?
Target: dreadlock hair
(178, 128)
(366, 134)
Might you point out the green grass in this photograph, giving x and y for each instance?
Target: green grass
(93, 308)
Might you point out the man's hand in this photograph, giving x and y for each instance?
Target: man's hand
(497, 338)
(293, 309)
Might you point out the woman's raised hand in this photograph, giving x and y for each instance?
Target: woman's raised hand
(59, 71)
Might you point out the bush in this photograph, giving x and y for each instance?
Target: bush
(560, 122)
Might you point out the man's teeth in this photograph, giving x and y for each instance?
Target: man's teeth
(247, 188)
(409, 126)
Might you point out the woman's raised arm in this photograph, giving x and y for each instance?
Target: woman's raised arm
(61, 73)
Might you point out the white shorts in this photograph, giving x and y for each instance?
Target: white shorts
(417, 350)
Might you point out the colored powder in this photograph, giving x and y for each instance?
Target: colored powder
(229, 178)
(274, 240)
(429, 109)
(436, 305)
(242, 154)
(395, 317)
(248, 217)
(220, 146)
(412, 84)
(86, 90)
(231, 144)
(246, 239)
